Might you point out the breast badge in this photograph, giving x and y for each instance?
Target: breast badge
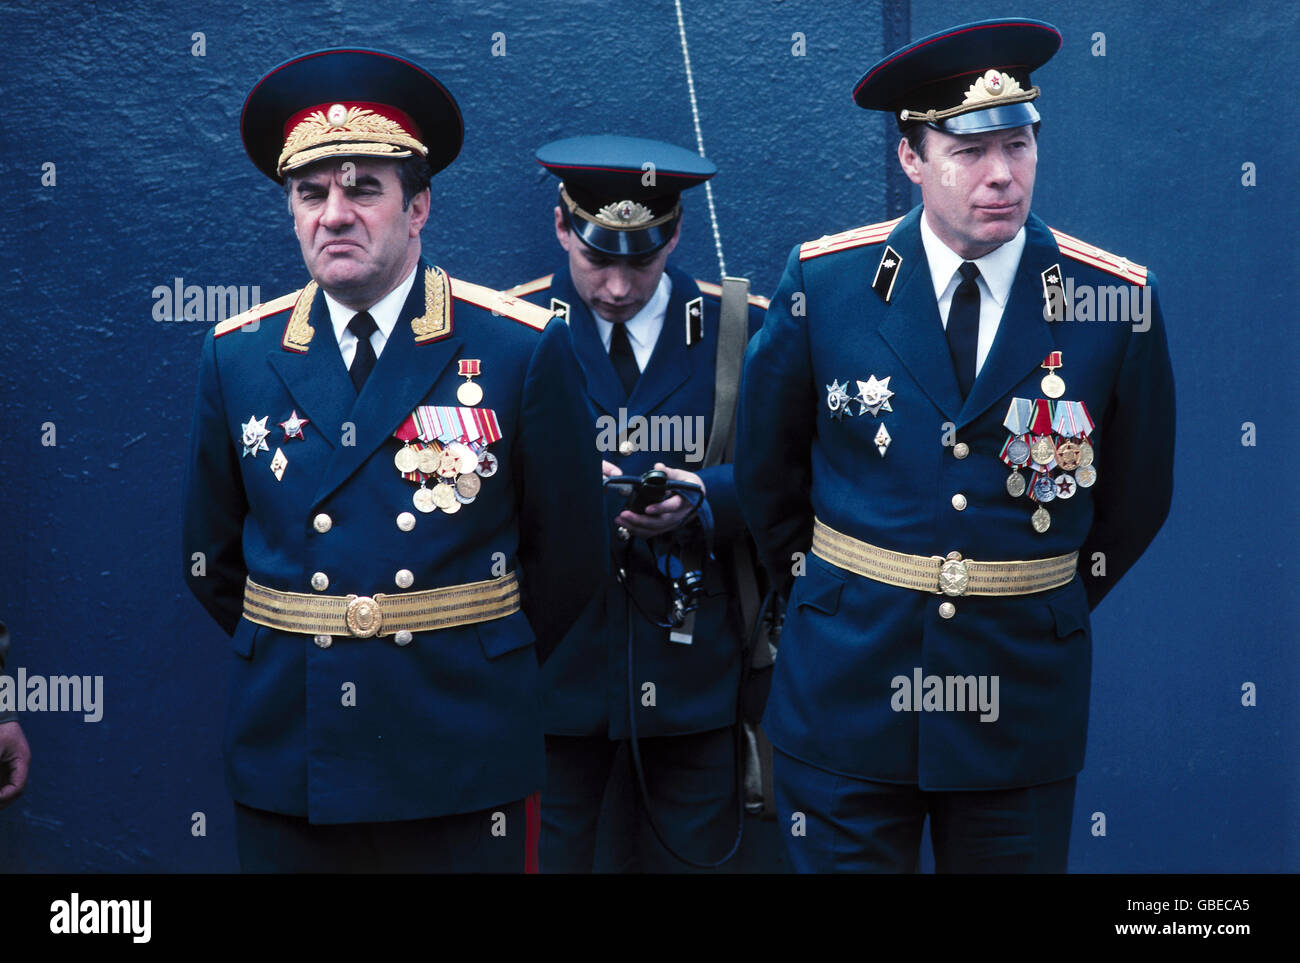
(445, 453)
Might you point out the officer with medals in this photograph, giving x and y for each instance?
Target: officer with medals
(947, 478)
(372, 509)
(646, 335)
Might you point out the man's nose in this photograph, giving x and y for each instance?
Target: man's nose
(337, 212)
(618, 282)
(996, 170)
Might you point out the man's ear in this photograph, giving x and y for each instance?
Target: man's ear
(419, 212)
(909, 160)
(561, 228)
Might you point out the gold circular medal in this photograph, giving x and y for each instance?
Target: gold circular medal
(469, 485)
(1015, 484)
(1086, 453)
(466, 460)
(1068, 453)
(447, 464)
(406, 460)
(444, 498)
(1053, 386)
(1043, 450)
(454, 507)
(428, 460)
(1040, 520)
(423, 499)
(1086, 476)
(469, 394)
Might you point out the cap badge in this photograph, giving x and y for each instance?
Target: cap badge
(626, 214)
(337, 115)
(994, 84)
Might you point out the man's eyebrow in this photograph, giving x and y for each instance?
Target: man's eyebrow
(367, 180)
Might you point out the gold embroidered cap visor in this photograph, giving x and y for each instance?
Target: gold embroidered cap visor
(348, 103)
(968, 79)
(621, 195)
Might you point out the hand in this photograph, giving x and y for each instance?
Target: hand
(15, 759)
(608, 469)
(666, 515)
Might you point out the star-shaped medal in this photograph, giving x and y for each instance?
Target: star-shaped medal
(838, 400)
(873, 396)
(293, 426)
(254, 435)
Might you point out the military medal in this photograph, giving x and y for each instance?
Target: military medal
(1086, 476)
(1018, 452)
(253, 434)
(838, 400)
(466, 460)
(1043, 451)
(423, 499)
(468, 485)
(407, 459)
(278, 464)
(1053, 386)
(882, 440)
(1015, 484)
(1044, 488)
(429, 459)
(1065, 486)
(1068, 454)
(873, 396)
(487, 465)
(469, 394)
(444, 498)
(1041, 520)
(293, 426)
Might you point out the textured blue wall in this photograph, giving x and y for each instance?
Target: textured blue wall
(1141, 153)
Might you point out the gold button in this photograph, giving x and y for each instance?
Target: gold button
(623, 533)
(404, 578)
(406, 521)
(959, 502)
(626, 447)
(324, 641)
(947, 610)
(322, 523)
(960, 450)
(402, 638)
(320, 581)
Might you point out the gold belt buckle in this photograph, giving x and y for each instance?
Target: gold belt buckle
(954, 577)
(363, 615)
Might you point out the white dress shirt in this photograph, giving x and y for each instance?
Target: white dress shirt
(385, 312)
(997, 272)
(643, 327)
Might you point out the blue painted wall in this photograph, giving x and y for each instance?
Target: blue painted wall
(1141, 153)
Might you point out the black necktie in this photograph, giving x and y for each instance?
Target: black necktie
(620, 352)
(363, 326)
(964, 327)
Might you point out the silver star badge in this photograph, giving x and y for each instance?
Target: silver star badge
(293, 426)
(254, 435)
(838, 400)
(874, 396)
(882, 440)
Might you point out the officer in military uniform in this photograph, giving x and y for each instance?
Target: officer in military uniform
(951, 476)
(646, 335)
(375, 506)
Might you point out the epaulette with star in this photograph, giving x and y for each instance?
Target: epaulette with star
(529, 287)
(256, 313)
(858, 237)
(715, 291)
(1094, 256)
(504, 303)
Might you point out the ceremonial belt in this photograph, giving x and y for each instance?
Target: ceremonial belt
(363, 616)
(953, 575)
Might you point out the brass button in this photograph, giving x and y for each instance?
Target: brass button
(404, 578)
(406, 521)
(322, 523)
(324, 641)
(320, 581)
(402, 638)
(959, 502)
(947, 610)
(960, 450)
(626, 446)
(623, 533)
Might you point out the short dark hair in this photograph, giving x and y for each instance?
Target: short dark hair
(413, 173)
(915, 134)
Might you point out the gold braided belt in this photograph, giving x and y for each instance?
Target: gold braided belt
(953, 575)
(363, 616)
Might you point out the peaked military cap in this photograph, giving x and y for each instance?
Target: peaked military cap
(348, 103)
(622, 195)
(964, 80)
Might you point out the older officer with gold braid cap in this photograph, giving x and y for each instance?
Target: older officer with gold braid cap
(947, 477)
(373, 508)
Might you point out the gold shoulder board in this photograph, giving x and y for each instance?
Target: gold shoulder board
(501, 303)
(529, 287)
(256, 313)
(858, 237)
(1086, 253)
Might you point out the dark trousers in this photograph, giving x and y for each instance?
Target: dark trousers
(691, 784)
(502, 839)
(858, 826)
